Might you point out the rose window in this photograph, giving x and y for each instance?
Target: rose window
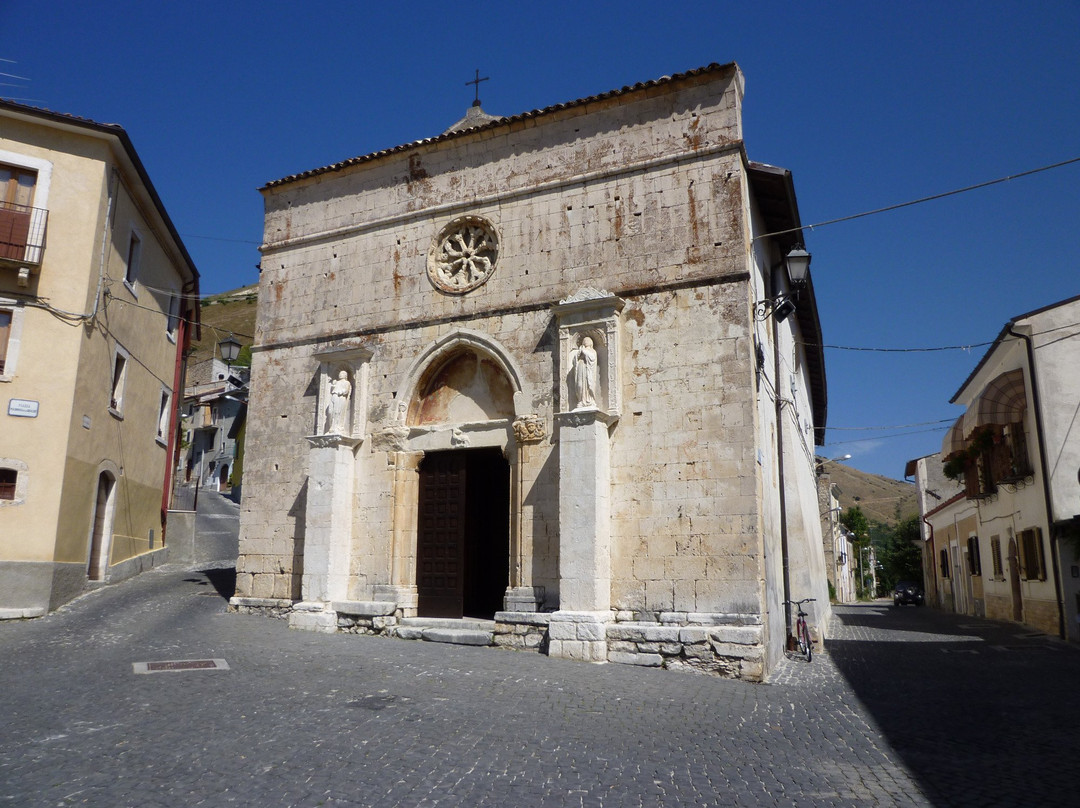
(463, 255)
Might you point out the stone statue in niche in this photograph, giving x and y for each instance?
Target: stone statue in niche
(337, 412)
(586, 375)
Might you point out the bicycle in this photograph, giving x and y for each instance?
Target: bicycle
(802, 631)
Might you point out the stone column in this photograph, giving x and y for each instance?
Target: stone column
(327, 531)
(578, 629)
(521, 595)
(402, 586)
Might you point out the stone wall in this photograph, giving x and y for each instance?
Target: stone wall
(659, 220)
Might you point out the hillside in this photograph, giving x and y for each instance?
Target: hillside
(876, 495)
(228, 313)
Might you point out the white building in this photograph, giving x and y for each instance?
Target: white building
(1004, 544)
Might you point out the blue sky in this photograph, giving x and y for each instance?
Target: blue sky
(869, 104)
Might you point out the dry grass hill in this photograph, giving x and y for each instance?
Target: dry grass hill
(234, 313)
(228, 313)
(879, 497)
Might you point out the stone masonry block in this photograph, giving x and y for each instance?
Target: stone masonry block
(646, 660)
(738, 635)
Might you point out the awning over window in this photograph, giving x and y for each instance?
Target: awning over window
(1001, 402)
(954, 438)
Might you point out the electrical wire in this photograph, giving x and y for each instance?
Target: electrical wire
(883, 437)
(894, 426)
(921, 200)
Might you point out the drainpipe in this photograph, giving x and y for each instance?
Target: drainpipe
(1046, 478)
(784, 557)
(932, 561)
(103, 260)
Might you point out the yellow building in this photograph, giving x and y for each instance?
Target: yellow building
(97, 295)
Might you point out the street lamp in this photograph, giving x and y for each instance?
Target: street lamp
(230, 349)
(822, 461)
(797, 262)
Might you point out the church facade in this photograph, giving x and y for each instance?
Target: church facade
(537, 383)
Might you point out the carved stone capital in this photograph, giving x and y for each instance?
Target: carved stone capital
(577, 418)
(391, 439)
(529, 429)
(332, 440)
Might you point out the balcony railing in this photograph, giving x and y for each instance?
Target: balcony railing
(22, 234)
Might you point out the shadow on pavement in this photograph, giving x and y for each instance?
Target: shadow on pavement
(223, 580)
(979, 715)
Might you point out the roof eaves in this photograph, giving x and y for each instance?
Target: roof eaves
(786, 218)
(503, 121)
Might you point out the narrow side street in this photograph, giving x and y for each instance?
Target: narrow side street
(908, 707)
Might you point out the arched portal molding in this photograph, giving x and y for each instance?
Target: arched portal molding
(462, 338)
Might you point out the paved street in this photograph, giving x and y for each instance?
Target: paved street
(909, 707)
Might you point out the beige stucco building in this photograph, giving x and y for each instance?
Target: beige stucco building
(95, 286)
(1001, 503)
(536, 371)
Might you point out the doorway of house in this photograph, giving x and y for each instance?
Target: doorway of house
(101, 530)
(1014, 582)
(463, 533)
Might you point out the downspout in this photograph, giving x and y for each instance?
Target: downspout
(932, 560)
(103, 259)
(172, 452)
(1046, 478)
(784, 557)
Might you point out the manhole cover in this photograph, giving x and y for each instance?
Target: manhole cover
(176, 665)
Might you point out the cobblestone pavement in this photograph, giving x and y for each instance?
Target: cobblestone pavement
(302, 719)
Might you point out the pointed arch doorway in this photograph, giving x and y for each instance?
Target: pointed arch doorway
(463, 535)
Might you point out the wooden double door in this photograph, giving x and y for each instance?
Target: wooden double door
(463, 536)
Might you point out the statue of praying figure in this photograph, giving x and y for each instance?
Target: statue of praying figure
(337, 412)
(586, 378)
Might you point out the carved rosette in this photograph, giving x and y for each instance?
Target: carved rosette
(529, 429)
(463, 255)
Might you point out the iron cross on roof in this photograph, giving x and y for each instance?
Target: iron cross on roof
(477, 81)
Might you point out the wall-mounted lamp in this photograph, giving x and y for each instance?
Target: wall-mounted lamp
(782, 305)
(230, 349)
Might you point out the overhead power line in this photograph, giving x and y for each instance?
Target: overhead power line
(921, 200)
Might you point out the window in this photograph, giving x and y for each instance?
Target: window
(1015, 440)
(174, 316)
(5, 331)
(16, 198)
(1032, 562)
(163, 416)
(11, 321)
(134, 252)
(119, 377)
(944, 556)
(974, 560)
(8, 479)
(12, 482)
(995, 556)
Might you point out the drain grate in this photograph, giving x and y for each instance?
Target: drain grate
(176, 665)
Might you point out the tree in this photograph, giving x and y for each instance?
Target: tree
(856, 522)
(901, 557)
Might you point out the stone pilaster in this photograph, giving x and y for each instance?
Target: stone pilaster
(402, 586)
(521, 595)
(327, 529)
(577, 630)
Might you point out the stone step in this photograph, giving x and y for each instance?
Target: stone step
(465, 631)
(465, 623)
(458, 636)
